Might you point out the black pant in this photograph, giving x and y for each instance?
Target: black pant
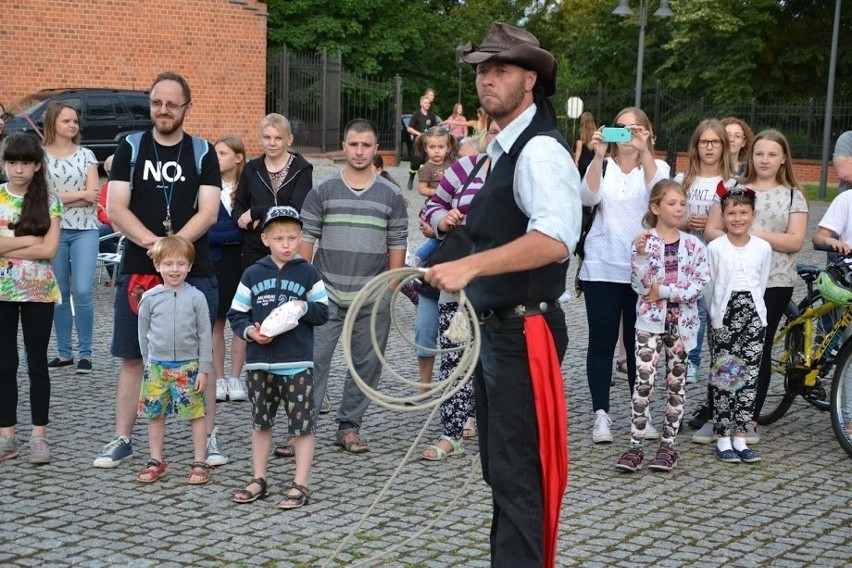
(36, 322)
(776, 300)
(508, 439)
(606, 304)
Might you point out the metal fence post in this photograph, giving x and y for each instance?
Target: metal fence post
(809, 127)
(397, 117)
(285, 81)
(323, 113)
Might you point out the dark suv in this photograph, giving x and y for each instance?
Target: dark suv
(106, 115)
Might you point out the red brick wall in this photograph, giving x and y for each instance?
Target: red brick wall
(218, 45)
(807, 171)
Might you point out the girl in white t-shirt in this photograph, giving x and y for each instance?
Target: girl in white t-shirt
(709, 162)
(740, 264)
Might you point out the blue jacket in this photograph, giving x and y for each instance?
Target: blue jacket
(263, 287)
(223, 232)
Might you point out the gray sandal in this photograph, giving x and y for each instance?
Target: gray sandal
(296, 501)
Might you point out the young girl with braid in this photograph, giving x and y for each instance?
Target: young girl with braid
(670, 271)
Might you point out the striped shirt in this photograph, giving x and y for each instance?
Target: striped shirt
(449, 196)
(355, 229)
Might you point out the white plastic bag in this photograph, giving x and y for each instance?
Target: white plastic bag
(283, 318)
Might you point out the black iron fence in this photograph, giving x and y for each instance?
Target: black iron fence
(676, 116)
(319, 98)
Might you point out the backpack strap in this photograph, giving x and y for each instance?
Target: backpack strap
(200, 147)
(135, 141)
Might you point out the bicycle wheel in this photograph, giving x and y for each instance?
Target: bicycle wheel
(841, 399)
(783, 379)
(818, 395)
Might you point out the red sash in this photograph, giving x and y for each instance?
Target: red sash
(552, 417)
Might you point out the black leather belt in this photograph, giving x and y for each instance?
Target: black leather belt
(492, 317)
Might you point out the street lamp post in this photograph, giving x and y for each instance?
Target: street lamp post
(459, 62)
(624, 10)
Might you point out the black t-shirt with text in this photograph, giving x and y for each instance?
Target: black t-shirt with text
(153, 181)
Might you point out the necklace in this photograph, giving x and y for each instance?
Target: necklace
(167, 195)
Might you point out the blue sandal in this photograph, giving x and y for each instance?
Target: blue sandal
(728, 456)
(748, 455)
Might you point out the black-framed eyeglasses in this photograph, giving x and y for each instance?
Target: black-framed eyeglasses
(169, 106)
(711, 143)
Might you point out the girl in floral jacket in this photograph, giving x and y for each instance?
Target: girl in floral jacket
(670, 271)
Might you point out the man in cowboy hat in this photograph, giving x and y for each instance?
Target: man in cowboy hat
(514, 279)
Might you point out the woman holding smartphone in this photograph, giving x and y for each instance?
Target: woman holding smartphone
(619, 186)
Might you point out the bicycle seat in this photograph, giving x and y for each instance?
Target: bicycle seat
(808, 272)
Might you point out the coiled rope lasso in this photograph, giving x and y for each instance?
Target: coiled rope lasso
(463, 331)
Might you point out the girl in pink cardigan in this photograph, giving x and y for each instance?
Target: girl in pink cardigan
(670, 271)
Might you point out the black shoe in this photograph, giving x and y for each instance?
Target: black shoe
(57, 362)
(84, 367)
(700, 416)
(411, 183)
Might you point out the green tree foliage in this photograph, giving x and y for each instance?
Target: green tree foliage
(723, 50)
(716, 46)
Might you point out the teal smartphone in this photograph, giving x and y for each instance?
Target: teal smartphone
(614, 135)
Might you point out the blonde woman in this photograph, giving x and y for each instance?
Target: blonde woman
(72, 173)
(584, 152)
(278, 177)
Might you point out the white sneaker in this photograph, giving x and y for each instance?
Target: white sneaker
(236, 390)
(325, 407)
(601, 433)
(751, 437)
(651, 433)
(215, 456)
(221, 390)
(691, 373)
(705, 435)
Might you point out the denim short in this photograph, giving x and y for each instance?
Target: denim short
(125, 324)
(426, 326)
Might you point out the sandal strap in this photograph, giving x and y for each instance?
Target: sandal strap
(301, 489)
(261, 482)
(153, 463)
(199, 465)
(455, 444)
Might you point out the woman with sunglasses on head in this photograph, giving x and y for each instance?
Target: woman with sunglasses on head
(619, 186)
(782, 220)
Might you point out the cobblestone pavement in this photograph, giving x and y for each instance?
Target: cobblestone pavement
(792, 509)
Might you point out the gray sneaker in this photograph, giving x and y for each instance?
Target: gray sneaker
(114, 453)
(325, 407)
(39, 452)
(8, 448)
(752, 437)
(215, 456)
(705, 434)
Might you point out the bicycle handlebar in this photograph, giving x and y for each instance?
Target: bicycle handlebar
(828, 248)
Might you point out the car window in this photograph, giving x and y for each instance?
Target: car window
(138, 106)
(101, 107)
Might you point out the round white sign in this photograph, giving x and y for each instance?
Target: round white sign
(574, 107)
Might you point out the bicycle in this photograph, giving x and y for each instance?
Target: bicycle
(811, 356)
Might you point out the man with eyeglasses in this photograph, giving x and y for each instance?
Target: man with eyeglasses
(166, 182)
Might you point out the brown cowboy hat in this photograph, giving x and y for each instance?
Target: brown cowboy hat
(508, 44)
